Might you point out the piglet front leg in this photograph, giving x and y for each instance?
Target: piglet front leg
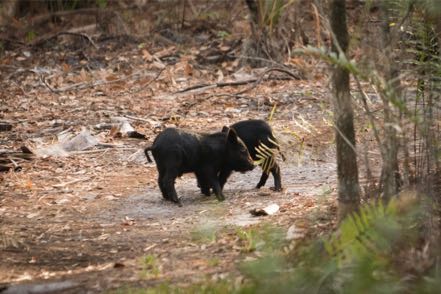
(217, 189)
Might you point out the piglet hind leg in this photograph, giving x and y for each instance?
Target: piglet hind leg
(169, 187)
(263, 179)
(162, 186)
(275, 171)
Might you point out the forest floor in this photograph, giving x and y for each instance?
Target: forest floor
(94, 219)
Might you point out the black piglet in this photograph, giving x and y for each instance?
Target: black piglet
(212, 157)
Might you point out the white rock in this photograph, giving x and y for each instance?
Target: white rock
(269, 210)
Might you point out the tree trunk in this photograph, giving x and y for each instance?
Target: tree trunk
(390, 174)
(263, 47)
(347, 171)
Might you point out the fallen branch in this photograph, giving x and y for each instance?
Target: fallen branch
(9, 160)
(16, 166)
(261, 77)
(149, 121)
(90, 151)
(15, 155)
(7, 41)
(188, 105)
(43, 81)
(45, 17)
(283, 70)
(4, 168)
(146, 85)
(86, 28)
(95, 10)
(151, 81)
(203, 87)
(256, 81)
(5, 126)
(115, 147)
(82, 35)
(62, 185)
(81, 86)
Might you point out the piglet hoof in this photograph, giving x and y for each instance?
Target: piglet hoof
(276, 189)
(178, 202)
(206, 192)
(220, 198)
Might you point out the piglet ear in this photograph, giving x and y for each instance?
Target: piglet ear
(232, 136)
(225, 129)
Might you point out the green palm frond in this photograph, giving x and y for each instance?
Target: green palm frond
(358, 235)
(267, 156)
(373, 232)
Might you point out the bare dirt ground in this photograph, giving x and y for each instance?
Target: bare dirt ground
(95, 219)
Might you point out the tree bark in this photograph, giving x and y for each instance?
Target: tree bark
(264, 46)
(390, 174)
(254, 11)
(347, 170)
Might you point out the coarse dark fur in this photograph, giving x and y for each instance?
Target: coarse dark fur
(254, 132)
(209, 156)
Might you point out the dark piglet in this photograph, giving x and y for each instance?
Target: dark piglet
(253, 132)
(209, 156)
